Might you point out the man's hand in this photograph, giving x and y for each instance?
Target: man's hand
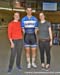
(23, 31)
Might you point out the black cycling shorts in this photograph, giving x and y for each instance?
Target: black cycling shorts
(30, 40)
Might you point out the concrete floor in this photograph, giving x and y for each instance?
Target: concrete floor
(5, 54)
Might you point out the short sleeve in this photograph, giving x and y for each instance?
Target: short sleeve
(22, 23)
(49, 24)
(36, 25)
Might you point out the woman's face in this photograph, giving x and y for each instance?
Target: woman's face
(41, 16)
(16, 16)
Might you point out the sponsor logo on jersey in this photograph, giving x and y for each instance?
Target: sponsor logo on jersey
(29, 24)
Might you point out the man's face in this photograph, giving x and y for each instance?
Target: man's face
(41, 16)
(29, 11)
(16, 16)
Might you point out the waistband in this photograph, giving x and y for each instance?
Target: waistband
(29, 33)
(44, 40)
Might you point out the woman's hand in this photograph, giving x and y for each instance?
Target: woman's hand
(51, 43)
(12, 45)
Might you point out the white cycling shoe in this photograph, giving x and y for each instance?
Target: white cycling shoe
(34, 65)
(29, 65)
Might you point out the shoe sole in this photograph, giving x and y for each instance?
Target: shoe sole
(34, 67)
(48, 69)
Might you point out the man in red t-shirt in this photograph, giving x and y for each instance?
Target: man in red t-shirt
(16, 40)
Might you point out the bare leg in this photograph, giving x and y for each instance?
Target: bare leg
(28, 57)
(33, 57)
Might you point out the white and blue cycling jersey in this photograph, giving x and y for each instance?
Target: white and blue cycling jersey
(29, 24)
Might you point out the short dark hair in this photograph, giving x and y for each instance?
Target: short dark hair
(28, 6)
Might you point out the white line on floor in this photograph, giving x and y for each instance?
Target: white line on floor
(42, 72)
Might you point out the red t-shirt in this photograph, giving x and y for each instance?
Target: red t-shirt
(15, 30)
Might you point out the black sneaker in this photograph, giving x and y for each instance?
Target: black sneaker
(9, 70)
(19, 68)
